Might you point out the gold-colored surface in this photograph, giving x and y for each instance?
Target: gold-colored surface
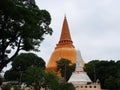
(67, 53)
(64, 48)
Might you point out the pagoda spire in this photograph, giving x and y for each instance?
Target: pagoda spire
(65, 38)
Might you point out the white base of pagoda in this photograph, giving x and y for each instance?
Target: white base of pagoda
(79, 78)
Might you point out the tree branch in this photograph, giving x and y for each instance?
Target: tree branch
(12, 39)
(5, 62)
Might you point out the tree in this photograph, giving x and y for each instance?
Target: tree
(24, 60)
(111, 83)
(21, 63)
(51, 81)
(34, 76)
(11, 75)
(65, 67)
(67, 86)
(22, 27)
(108, 72)
(37, 77)
(90, 68)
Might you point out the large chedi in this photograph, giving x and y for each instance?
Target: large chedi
(64, 48)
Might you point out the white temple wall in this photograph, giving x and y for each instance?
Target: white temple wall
(88, 87)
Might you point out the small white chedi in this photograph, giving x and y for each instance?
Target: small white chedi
(79, 77)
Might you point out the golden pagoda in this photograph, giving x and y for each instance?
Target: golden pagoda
(64, 48)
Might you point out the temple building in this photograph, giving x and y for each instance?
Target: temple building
(64, 48)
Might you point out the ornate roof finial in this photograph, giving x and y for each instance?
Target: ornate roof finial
(65, 38)
(64, 16)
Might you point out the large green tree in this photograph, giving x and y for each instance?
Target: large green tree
(67, 86)
(21, 63)
(22, 27)
(108, 72)
(65, 67)
(34, 76)
(51, 81)
(38, 78)
(24, 60)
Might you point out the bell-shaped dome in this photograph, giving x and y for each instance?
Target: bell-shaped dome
(64, 48)
(67, 53)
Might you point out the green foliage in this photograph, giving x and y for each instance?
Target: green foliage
(91, 69)
(67, 86)
(11, 75)
(51, 81)
(38, 78)
(24, 60)
(111, 83)
(21, 63)
(65, 67)
(34, 76)
(22, 27)
(6, 87)
(108, 72)
(29, 68)
(17, 88)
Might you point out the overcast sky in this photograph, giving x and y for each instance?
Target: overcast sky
(94, 26)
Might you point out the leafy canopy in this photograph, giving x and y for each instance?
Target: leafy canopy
(65, 67)
(108, 72)
(21, 63)
(22, 27)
